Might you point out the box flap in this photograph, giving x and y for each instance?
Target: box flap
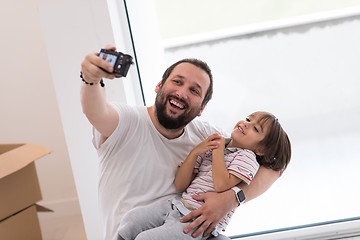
(16, 156)
(40, 208)
(8, 147)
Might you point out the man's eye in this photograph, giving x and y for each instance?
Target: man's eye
(195, 91)
(247, 119)
(256, 129)
(176, 81)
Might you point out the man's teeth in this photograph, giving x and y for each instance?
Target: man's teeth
(177, 104)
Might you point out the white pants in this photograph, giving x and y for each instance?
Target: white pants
(157, 221)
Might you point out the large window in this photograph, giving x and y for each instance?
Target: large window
(307, 75)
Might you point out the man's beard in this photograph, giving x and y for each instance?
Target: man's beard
(169, 122)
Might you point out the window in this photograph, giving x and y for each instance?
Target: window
(307, 75)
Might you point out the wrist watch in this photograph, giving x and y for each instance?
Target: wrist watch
(240, 196)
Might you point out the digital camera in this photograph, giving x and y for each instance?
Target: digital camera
(119, 61)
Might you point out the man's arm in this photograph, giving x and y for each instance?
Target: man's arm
(262, 181)
(100, 113)
(217, 205)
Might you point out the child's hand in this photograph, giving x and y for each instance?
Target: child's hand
(222, 142)
(212, 142)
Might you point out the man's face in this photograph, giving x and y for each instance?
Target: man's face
(179, 99)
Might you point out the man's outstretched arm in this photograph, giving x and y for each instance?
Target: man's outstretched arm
(100, 113)
(217, 205)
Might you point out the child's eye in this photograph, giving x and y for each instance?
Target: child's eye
(256, 130)
(247, 119)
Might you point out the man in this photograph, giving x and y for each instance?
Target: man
(140, 147)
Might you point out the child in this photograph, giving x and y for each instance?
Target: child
(212, 166)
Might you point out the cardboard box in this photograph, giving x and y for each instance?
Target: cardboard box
(23, 225)
(19, 189)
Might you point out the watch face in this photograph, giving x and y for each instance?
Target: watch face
(241, 196)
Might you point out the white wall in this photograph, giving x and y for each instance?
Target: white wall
(29, 107)
(71, 30)
(44, 43)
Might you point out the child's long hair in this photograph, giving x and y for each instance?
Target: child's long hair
(275, 146)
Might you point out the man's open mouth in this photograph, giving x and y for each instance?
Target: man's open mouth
(176, 103)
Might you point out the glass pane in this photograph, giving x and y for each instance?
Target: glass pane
(308, 77)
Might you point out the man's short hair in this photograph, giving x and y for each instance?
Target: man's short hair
(198, 63)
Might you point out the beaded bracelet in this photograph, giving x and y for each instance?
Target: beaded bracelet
(102, 84)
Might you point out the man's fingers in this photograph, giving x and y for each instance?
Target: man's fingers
(110, 47)
(201, 229)
(190, 216)
(195, 224)
(201, 226)
(209, 229)
(205, 227)
(99, 62)
(91, 71)
(200, 197)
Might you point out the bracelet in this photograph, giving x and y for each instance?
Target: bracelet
(102, 84)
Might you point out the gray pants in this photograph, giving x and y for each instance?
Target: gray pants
(157, 221)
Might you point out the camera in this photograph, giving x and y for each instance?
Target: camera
(119, 61)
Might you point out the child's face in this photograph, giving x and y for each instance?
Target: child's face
(248, 133)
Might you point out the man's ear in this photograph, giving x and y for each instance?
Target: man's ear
(202, 109)
(158, 86)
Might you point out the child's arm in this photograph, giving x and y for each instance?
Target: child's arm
(223, 180)
(185, 173)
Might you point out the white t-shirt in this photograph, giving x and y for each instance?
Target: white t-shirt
(137, 164)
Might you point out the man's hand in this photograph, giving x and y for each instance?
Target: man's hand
(90, 67)
(215, 207)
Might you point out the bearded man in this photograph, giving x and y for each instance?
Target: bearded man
(140, 147)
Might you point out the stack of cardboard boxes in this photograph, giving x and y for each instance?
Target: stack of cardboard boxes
(19, 191)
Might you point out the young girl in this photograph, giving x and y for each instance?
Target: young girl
(213, 165)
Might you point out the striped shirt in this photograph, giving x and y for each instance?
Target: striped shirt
(239, 162)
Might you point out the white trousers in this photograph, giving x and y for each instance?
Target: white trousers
(157, 221)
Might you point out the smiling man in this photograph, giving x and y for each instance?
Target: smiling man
(141, 147)
(180, 99)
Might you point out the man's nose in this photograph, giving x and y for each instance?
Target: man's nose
(181, 93)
